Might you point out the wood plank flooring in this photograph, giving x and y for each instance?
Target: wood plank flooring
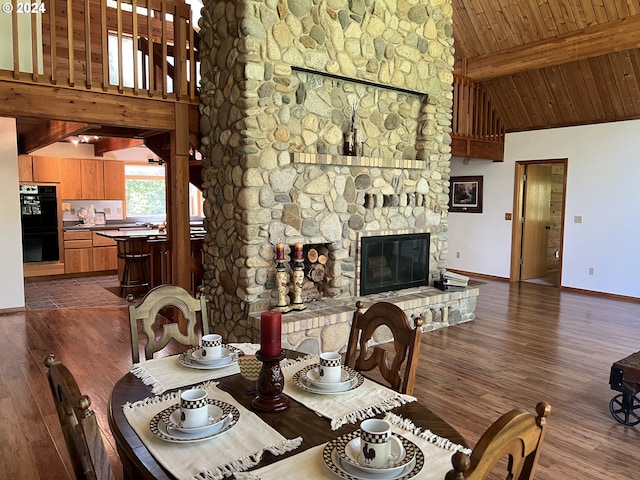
(528, 343)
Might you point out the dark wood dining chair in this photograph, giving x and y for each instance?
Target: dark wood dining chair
(157, 328)
(79, 426)
(516, 435)
(406, 343)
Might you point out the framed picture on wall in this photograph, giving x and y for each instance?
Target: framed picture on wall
(465, 194)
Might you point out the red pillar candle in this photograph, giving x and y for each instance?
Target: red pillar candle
(280, 251)
(297, 252)
(270, 333)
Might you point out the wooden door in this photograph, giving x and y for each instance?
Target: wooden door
(71, 180)
(114, 180)
(92, 179)
(25, 170)
(537, 200)
(46, 169)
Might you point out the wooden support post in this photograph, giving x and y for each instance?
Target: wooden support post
(178, 206)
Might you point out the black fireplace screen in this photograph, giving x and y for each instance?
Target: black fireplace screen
(394, 262)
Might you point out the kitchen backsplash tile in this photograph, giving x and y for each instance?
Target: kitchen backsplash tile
(113, 209)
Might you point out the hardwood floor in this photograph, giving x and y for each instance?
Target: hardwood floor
(529, 342)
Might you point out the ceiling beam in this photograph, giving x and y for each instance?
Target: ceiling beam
(616, 36)
(48, 132)
(109, 144)
(21, 100)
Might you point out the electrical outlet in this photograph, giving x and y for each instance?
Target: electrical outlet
(457, 254)
(577, 219)
(592, 271)
(107, 211)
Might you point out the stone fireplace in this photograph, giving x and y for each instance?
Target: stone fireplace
(282, 82)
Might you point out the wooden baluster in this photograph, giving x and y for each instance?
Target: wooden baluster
(134, 7)
(192, 60)
(87, 44)
(51, 11)
(105, 45)
(119, 16)
(163, 14)
(152, 64)
(34, 47)
(16, 45)
(70, 46)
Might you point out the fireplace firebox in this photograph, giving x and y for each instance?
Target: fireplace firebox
(394, 262)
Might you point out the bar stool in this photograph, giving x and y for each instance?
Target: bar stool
(135, 252)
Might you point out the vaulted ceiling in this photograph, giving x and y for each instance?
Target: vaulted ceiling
(552, 63)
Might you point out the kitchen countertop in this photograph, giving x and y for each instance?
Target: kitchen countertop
(144, 233)
(125, 226)
(107, 226)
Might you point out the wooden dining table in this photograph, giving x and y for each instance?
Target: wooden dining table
(297, 420)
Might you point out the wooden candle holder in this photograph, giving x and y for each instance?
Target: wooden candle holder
(270, 385)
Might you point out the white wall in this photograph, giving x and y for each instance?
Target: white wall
(11, 280)
(603, 178)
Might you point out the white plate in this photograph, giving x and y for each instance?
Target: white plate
(353, 472)
(349, 472)
(300, 380)
(167, 432)
(314, 379)
(172, 418)
(350, 453)
(186, 359)
(226, 357)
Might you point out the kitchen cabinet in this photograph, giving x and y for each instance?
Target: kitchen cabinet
(39, 169)
(78, 252)
(25, 168)
(105, 253)
(71, 186)
(90, 179)
(86, 251)
(114, 188)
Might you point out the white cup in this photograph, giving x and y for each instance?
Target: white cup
(211, 345)
(376, 442)
(194, 408)
(330, 367)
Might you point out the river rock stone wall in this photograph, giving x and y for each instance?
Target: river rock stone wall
(281, 82)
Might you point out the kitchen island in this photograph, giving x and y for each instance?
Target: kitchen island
(144, 255)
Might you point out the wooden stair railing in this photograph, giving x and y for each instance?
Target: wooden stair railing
(477, 130)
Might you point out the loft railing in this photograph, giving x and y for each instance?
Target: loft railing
(475, 121)
(130, 47)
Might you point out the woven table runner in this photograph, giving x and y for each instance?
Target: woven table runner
(235, 450)
(366, 401)
(310, 464)
(167, 373)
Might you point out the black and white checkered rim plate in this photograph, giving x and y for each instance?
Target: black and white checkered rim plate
(158, 426)
(300, 380)
(408, 445)
(186, 359)
(328, 456)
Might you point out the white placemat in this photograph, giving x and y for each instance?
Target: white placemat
(310, 465)
(366, 401)
(167, 373)
(236, 450)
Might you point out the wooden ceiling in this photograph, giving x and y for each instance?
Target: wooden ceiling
(552, 63)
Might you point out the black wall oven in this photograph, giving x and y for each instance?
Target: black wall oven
(39, 213)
